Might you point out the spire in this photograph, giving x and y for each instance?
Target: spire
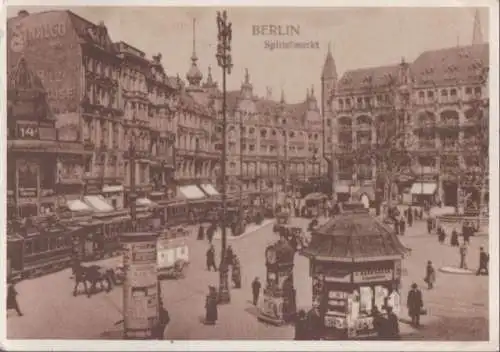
(312, 91)
(194, 75)
(210, 81)
(246, 86)
(329, 67)
(307, 94)
(458, 41)
(282, 100)
(477, 35)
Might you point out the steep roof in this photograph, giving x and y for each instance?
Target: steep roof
(364, 78)
(354, 236)
(329, 68)
(450, 66)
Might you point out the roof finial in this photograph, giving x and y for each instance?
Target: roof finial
(282, 96)
(194, 57)
(312, 90)
(247, 76)
(209, 76)
(307, 94)
(330, 47)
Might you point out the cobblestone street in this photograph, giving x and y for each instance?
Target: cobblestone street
(456, 299)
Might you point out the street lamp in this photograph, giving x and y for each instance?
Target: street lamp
(224, 60)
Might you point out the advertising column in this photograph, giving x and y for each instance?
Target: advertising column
(140, 289)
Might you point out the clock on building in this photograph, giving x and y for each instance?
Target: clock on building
(271, 255)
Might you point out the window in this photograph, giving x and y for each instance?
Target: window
(341, 104)
(444, 93)
(263, 133)
(359, 101)
(430, 94)
(367, 101)
(251, 147)
(273, 132)
(329, 122)
(348, 102)
(477, 90)
(468, 90)
(453, 92)
(252, 130)
(421, 94)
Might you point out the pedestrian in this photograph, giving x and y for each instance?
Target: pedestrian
(391, 325)
(12, 299)
(201, 232)
(467, 232)
(211, 232)
(441, 235)
(163, 320)
(229, 255)
(211, 313)
(429, 225)
(314, 323)
(416, 214)
(379, 323)
(430, 275)
(402, 226)
(484, 259)
(415, 304)
(211, 258)
(454, 239)
(463, 256)
(236, 273)
(410, 216)
(301, 326)
(256, 285)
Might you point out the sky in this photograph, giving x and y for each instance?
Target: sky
(360, 37)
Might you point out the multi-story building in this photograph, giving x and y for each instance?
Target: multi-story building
(271, 145)
(436, 101)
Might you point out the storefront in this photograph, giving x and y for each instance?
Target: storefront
(343, 192)
(355, 264)
(423, 192)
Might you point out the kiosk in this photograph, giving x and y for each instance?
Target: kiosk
(278, 305)
(355, 264)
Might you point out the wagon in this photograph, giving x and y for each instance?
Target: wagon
(173, 254)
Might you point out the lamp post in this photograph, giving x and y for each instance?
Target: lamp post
(224, 60)
(133, 194)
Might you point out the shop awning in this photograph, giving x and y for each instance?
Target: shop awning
(111, 189)
(423, 188)
(98, 204)
(145, 202)
(342, 188)
(191, 192)
(209, 189)
(77, 205)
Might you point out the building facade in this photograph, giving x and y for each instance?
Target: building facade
(438, 101)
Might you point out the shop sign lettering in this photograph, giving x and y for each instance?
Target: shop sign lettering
(27, 192)
(27, 132)
(373, 275)
(24, 35)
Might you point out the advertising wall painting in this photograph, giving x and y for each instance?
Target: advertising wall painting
(58, 69)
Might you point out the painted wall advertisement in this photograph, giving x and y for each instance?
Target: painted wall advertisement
(140, 288)
(50, 46)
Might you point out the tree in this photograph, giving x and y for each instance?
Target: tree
(391, 149)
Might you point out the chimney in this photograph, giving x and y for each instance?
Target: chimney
(23, 13)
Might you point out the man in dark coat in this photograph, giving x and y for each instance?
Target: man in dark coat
(454, 239)
(201, 232)
(163, 320)
(229, 255)
(12, 299)
(391, 325)
(301, 326)
(236, 272)
(379, 323)
(484, 258)
(429, 225)
(211, 313)
(315, 324)
(256, 285)
(415, 303)
(211, 258)
(402, 226)
(467, 232)
(211, 232)
(410, 216)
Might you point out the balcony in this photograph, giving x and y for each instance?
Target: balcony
(364, 127)
(449, 123)
(426, 123)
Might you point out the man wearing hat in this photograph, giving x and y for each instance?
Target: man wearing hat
(484, 258)
(415, 304)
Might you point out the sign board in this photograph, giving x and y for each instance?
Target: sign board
(372, 275)
(140, 289)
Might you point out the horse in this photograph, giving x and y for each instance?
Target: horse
(92, 274)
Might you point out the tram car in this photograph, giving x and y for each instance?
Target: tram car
(39, 249)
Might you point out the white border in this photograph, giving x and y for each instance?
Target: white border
(233, 345)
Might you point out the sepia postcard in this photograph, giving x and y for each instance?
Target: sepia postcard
(234, 175)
